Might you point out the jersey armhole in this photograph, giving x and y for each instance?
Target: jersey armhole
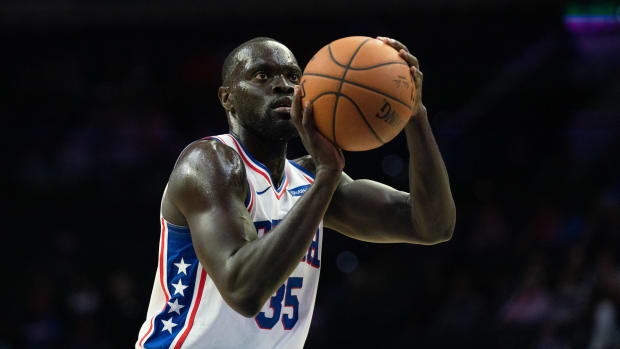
(305, 171)
(249, 201)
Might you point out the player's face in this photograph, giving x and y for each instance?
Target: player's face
(263, 93)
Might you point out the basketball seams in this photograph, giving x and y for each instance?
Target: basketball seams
(361, 86)
(340, 89)
(359, 110)
(331, 55)
(376, 66)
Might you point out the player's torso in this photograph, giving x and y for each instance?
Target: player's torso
(186, 309)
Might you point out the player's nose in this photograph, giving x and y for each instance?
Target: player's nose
(283, 85)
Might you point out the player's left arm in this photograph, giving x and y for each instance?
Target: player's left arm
(371, 211)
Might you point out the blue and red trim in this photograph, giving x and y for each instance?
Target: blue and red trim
(162, 281)
(307, 174)
(177, 249)
(249, 202)
(190, 324)
(260, 168)
(212, 137)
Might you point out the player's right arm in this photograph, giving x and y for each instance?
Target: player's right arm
(208, 186)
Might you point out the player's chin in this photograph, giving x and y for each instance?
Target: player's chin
(285, 129)
(288, 130)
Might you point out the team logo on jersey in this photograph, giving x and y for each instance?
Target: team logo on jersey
(299, 191)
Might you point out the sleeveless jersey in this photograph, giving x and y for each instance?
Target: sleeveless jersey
(187, 311)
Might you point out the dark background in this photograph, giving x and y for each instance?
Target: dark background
(524, 100)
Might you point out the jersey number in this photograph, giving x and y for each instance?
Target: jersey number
(290, 300)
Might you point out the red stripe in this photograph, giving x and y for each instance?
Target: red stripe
(251, 201)
(147, 332)
(161, 276)
(162, 265)
(248, 161)
(308, 179)
(211, 137)
(201, 286)
(259, 171)
(283, 189)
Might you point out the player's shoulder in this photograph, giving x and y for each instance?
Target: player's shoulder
(208, 161)
(305, 163)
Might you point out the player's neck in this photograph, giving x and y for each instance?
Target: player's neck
(268, 152)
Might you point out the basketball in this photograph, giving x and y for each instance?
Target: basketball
(362, 92)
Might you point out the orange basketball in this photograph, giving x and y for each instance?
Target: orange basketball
(362, 92)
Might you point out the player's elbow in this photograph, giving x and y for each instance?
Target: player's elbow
(249, 309)
(246, 298)
(437, 228)
(434, 237)
(445, 234)
(245, 304)
(445, 229)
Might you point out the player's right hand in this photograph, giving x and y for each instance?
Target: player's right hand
(326, 156)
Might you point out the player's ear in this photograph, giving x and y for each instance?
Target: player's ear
(224, 95)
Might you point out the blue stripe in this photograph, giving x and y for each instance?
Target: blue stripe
(279, 190)
(301, 169)
(261, 192)
(213, 137)
(179, 246)
(247, 201)
(252, 158)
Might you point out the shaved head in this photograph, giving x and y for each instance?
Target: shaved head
(232, 59)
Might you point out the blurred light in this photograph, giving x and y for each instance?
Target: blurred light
(592, 18)
(347, 262)
(392, 165)
(84, 301)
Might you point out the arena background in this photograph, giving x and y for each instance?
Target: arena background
(524, 99)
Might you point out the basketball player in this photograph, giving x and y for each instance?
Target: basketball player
(242, 226)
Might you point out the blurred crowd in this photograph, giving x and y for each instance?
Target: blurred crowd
(527, 120)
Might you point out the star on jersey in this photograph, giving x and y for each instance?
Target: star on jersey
(176, 307)
(179, 287)
(182, 267)
(168, 325)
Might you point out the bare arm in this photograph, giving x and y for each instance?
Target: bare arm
(209, 186)
(370, 211)
(375, 212)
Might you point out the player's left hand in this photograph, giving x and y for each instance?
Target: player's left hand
(416, 74)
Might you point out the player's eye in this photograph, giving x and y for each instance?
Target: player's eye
(261, 75)
(294, 77)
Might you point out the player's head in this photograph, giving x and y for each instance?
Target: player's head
(257, 77)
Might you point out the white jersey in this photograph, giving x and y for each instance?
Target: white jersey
(187, 311)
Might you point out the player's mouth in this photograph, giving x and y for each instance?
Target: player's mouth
(282, 105)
